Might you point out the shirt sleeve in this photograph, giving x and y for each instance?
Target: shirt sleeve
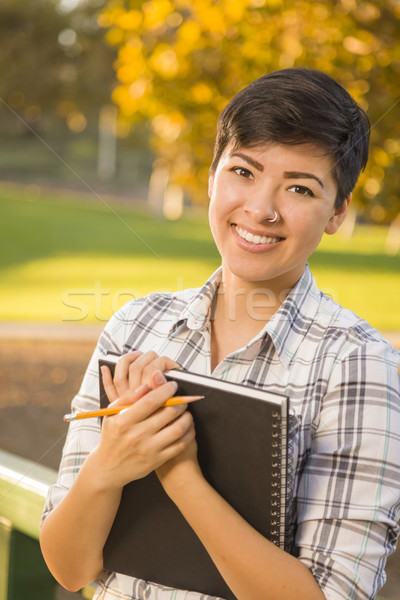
(349, 492)
(84, 435)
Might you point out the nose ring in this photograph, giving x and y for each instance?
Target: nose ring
(275, 218)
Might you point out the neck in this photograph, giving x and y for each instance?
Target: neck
(245, 308)
(240, 311)
(243, 301)
(235, 320)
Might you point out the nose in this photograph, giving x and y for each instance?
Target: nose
(261, 205)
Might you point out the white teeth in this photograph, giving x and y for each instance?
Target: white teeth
(255, 239)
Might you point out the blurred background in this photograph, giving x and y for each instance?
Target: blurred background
(107, 120)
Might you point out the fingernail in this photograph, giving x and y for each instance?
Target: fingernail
(142, 389)
(159, 378)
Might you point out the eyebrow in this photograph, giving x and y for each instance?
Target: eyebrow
(300, 175)
(287, 174)
(248, 159)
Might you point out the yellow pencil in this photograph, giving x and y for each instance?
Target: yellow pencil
(105, 412)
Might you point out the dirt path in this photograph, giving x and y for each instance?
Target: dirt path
(38, 379)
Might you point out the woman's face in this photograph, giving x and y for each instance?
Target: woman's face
(248, 185)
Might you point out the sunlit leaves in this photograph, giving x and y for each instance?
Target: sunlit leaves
(180, 61)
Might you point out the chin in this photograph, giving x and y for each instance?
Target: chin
(253, 278)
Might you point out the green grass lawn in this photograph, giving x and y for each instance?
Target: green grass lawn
(78, 260)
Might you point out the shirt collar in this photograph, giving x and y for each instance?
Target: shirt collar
(197, 312)
(287, 327)
(291, 322)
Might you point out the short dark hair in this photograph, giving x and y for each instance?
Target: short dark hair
(295, 106)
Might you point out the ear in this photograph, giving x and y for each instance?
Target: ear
(337, 217)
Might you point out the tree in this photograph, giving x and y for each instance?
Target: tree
(179, 62)
(53, 63)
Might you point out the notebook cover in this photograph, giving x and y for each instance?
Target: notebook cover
(242, 452)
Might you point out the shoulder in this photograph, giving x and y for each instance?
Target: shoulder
(359, 356)
(156, 312)
(338, 345)
(314, 322)
(160, 303)
(347, 329)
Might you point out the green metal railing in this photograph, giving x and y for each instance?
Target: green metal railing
(23, 572)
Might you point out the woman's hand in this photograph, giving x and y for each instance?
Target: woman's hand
(146, 371)
(144, 436)
(141, 438)
(178, 472)
(136, 369)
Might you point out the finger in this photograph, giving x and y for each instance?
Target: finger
(171, 440)
(136, 370)
(130, 396)
(157, 378)
(127, 399)
(108, 384)
(150, 403)
(121, 375)
(145, 368)
(174, 438)
(164, 416)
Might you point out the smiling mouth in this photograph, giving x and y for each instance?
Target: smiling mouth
(256, 239)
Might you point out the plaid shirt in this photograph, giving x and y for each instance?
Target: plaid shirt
(342, 380)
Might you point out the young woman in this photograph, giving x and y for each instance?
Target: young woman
(288, 153)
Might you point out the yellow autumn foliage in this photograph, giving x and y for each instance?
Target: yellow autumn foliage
(180, 61)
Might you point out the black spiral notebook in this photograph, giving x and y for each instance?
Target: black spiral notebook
(241, 435)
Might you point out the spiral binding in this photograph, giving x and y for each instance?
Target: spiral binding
(275, 478)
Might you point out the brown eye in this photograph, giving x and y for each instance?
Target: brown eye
(242, 172)
(301, 190)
